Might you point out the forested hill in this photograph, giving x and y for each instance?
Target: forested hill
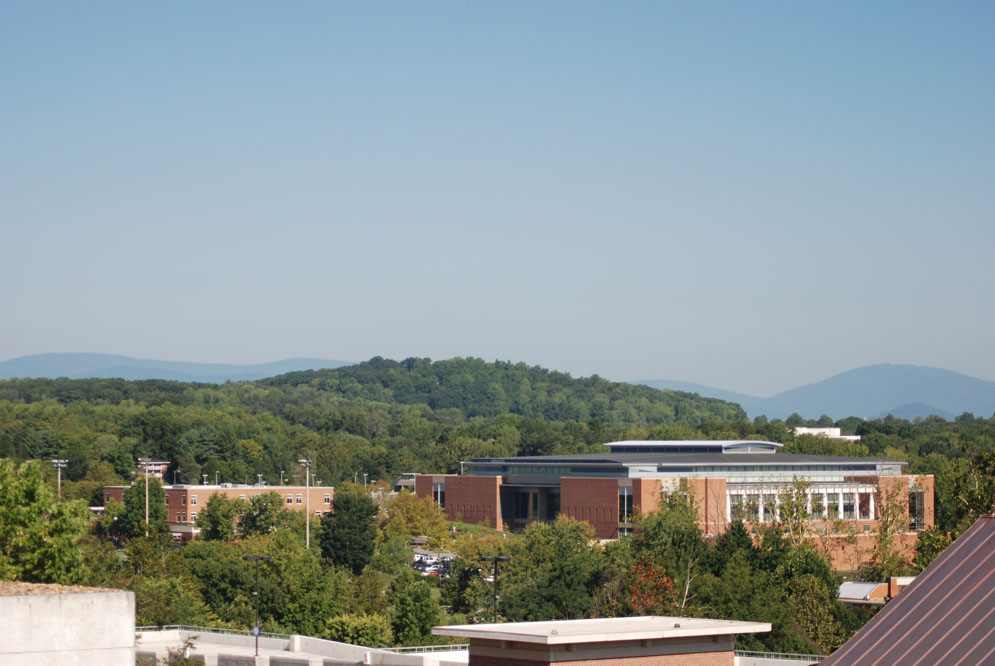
(380, 417)
(477, 388)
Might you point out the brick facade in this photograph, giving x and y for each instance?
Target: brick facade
(709, 497)
(474, 499)
(646, 495)
(592, 500)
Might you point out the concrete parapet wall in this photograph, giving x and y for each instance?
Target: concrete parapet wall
(68, 628)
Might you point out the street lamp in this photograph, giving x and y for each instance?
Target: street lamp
(145, 463)
(495, 559)
(59, 464)
(364, 478)
(281, 477)
(307, 498)
(257, 559)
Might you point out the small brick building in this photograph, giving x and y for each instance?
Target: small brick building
(184, 502)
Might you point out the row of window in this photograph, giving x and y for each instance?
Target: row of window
(290, 499)
(181, 516)
(765, 508)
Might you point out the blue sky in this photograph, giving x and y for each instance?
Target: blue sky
(749, 195)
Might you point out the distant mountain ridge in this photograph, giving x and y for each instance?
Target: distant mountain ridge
(85, 365)
(873, 391)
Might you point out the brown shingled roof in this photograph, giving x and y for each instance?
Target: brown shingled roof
(946, 616)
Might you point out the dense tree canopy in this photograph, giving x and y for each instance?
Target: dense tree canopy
(39, 534)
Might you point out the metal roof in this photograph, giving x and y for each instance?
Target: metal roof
(946, 616)
(855, 589)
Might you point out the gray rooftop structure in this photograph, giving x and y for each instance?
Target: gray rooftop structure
(654, 462)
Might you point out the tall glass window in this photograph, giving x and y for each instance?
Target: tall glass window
(917, 510)
(736, 507)
(439, 493)
(818, 506)
(849, 500)
(625, 504)
(864, 504)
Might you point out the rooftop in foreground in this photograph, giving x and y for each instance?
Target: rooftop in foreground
(21, 589)
(603, 630)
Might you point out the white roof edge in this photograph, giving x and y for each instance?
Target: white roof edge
(605, 630)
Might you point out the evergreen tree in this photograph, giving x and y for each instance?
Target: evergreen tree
(348, 533)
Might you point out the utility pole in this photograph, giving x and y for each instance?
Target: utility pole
(145, 463)
(495, 559)
(59, 464)
(307, 498)
(257, 559)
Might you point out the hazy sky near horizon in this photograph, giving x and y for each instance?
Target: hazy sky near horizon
(752, 196)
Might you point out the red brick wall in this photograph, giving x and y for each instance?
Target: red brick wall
(474, 499)
(592, 500)
(423, 485)
(709, 497)
(692, 659)
(646, 495)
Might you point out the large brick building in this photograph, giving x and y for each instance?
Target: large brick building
(184, 502)
(728, 480)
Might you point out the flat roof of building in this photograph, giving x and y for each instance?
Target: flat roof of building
(688, 459)
(694, 443)
(602, 630)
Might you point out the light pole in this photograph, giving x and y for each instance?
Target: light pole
(364, 478)
(257, 559)
(259, 479)
(59, 464)
(495, 559)
(281, 477)
(145, 464)
(215, 477)
(307, 498)
(205, 478)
